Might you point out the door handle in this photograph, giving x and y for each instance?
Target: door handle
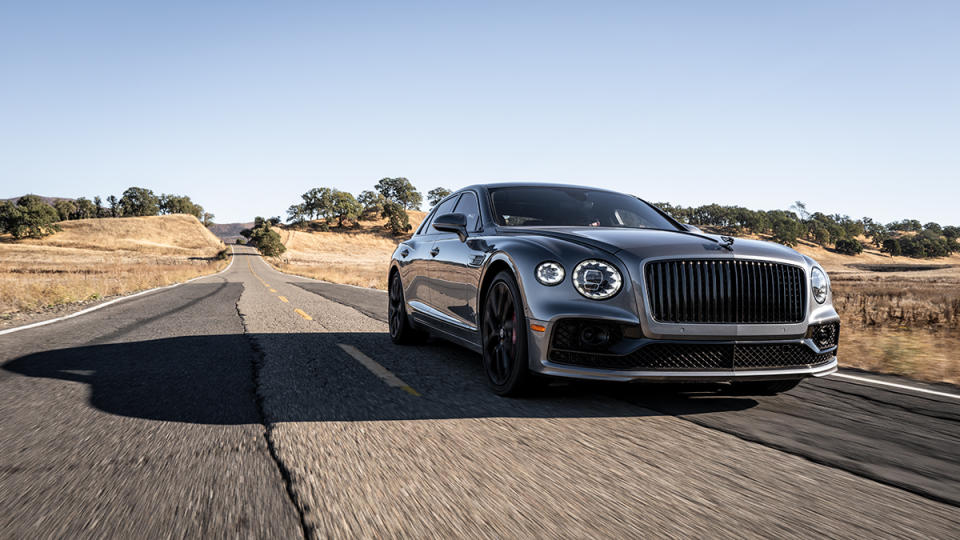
(434, 251)
(405, 252)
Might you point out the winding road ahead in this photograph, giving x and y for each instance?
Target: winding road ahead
(258, 404)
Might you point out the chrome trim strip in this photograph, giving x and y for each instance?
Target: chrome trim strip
(561, 370)
(428, 311)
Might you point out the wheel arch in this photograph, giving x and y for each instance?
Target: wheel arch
(500, 262)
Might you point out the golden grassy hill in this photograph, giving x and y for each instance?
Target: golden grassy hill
(163, 235)
(353, 255)
(92, 259)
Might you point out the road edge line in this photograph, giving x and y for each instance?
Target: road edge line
(895, 385)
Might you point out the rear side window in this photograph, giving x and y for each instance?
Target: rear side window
(446, 207)
(469, 207)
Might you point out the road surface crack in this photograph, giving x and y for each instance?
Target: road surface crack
(258, 360)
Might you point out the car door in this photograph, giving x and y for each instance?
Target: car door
(428, 273)
(457, 267)
(414, 256)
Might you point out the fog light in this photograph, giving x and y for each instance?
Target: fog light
(594, 336)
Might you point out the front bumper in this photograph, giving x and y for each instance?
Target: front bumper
(577, 372)
(691, 360)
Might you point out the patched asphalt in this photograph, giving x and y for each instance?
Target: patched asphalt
(216, 409)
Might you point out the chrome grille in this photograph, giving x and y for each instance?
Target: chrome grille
(725, 291)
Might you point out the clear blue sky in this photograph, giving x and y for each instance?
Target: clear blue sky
(852, 107)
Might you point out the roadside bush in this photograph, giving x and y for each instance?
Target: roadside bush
(241, 241)
(223, 254)
(849, 246)
(267, 241)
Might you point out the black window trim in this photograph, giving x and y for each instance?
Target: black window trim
(479, 209)
(433, 214)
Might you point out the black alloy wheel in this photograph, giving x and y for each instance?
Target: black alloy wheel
(401, 331)
(504, 337)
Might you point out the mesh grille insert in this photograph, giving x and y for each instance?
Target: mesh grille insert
(699, 357)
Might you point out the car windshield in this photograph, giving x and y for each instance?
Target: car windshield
(573, 207)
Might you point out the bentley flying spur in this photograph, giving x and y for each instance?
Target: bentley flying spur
(561, 281)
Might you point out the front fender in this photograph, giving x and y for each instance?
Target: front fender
(547, 303)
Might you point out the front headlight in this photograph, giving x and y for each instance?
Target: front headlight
(549, 273)
(818, 285)
(597, 280)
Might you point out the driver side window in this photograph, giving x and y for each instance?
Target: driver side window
(469, 207)
(445, 207)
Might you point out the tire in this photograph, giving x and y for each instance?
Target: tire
(402, 331)
(504, 338)
(762, 388)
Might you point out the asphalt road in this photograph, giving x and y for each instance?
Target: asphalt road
(258, 404)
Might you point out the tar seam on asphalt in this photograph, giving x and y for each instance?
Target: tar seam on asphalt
(259, 358)
(813, 459)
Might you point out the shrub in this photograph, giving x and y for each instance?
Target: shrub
(267, 241)
(397, 220)
(892, 246)
(30, 217)
(849, 246)
(786, 231)
(65, 209)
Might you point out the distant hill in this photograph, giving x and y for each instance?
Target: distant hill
(229, 232)
(48, 200)
(162, 235)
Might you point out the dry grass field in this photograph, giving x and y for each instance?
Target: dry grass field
(900, 315)
(352, 256)
(97, 258)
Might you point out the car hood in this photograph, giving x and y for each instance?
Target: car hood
(644, 243)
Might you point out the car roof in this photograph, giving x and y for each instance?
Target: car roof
(533, 184)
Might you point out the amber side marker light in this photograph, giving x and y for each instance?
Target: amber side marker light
(538, 328)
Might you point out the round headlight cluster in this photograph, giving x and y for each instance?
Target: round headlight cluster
(550, 273)
(819, 285)
(597, 280)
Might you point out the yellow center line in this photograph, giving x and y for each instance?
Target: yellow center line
(303, 314)
(383, 373)
(265, 284)
(273, 290)
(284, 299)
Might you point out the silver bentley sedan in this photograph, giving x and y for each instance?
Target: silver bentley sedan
(564, 281)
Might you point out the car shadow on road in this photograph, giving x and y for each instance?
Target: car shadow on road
(212, 380)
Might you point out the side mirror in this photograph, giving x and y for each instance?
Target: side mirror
(691, 228)
(456, 223)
